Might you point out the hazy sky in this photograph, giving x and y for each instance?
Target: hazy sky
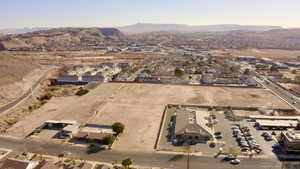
(61, 13)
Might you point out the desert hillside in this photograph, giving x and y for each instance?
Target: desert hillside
(13, 68)
(61, 39)
(16, 76)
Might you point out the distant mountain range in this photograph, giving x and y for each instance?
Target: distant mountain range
(144, 27)
(21, 30)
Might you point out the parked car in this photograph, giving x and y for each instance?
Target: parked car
(258, 150)
(243, 149)
(235, 162)
(217, 133)
(229, 157)
(219, 137)
(269, 138)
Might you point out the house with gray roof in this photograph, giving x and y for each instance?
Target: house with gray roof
(192, 125)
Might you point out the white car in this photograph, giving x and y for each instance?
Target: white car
(235, 162)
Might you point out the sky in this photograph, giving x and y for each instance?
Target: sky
(111, 13)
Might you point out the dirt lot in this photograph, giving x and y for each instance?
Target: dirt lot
(280, 55)
(139, 107)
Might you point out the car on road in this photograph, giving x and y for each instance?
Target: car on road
(235, 162)
(94, 148)
(229, 157)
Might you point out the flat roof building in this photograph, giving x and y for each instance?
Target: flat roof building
(276, 124)
(93, 132)
(291, 141)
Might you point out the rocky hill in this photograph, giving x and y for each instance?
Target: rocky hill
(61, 39)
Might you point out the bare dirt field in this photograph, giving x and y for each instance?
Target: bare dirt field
(140, 108)
(279, 55)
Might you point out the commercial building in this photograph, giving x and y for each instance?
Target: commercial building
(92, 132)
(192, 125)
(291, 141)
(276, 124)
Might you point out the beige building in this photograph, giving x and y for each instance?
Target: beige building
(192, 125)
(291, 141)
(92, 132)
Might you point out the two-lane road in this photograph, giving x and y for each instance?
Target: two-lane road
(288, 97)
(24, 95)
(142, 159)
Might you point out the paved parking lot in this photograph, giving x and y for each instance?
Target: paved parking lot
(266, 146)
(228, 142)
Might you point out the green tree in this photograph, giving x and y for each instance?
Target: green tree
(109, 140)
(273, 69)
(234, 68)
(118, 128)
(247, 72)
(179, 72)
(126, 162)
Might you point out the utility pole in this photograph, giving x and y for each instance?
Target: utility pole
(187, 145)
(188, 158)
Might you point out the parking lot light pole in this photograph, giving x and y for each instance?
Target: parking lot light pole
(187, 144)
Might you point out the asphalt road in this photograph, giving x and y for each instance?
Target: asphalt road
(24, 95)
(143, 159)
(284, 94)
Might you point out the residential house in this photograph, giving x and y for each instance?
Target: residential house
(98, 77)
(207, 78)
(11, 163)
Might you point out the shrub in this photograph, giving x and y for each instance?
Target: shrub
(126, 162)
(46, 96)
(81, 92)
